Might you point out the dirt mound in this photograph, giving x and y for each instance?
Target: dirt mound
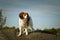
(8, 35)
(38, 36)
(12, 35)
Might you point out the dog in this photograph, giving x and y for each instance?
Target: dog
(25, 23)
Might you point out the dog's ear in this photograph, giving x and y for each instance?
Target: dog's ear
(28, 16)
(21, 15)
(28, 19)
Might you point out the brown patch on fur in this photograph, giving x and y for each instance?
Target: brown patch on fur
(21, 15)
(24, 14)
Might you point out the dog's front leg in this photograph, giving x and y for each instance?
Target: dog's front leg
(19, 32)
(26, 30)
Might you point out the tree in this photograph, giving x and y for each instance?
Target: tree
(2, 19)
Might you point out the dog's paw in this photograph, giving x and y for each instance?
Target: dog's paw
(18, 35)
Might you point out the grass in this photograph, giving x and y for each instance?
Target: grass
(8, 33)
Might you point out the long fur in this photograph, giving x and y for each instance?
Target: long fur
(25, 24)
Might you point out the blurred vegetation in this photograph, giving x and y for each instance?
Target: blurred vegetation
(6, 27)
(55, 31)
(2, 19)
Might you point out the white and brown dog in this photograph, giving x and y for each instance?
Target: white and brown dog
(25, 23)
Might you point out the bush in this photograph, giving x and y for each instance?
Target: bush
(6, 27)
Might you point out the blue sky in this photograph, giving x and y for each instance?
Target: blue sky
(44, 13)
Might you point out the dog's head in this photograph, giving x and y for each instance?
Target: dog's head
(24, 15)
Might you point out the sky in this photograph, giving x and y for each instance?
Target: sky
(44, 13)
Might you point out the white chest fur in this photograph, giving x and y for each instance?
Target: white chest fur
(22, 22)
